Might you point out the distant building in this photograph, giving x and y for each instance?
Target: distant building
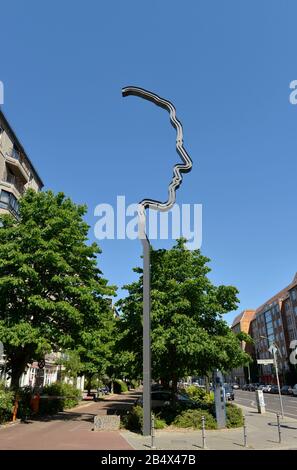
(274, 322)
(242, 323)
(17, 172)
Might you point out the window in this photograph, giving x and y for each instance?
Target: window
(294, 295)
(9, 201)
(4, 197)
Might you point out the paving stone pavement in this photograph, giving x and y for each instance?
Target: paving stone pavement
(262, 434)
(69, 430)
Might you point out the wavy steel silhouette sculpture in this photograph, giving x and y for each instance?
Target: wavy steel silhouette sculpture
(179, 168)
(176, 181)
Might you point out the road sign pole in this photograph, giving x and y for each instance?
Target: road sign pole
(278, 384)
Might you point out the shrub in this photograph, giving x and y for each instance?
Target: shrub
(119, 386)
(193, 419)
(133, 420)
(200, 395)
(60, 397)
(234, 416)
(160, 423)
(24, 395)
(6, 404)
(134, 383)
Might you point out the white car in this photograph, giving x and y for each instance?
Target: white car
(294, 390)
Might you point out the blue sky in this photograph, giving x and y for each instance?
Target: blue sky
(226, 66)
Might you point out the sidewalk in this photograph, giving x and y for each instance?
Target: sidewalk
(71, 429)
(262, 434)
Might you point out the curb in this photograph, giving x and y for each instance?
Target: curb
(10, 423)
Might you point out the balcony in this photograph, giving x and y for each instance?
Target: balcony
(16, 182)
(16, 160)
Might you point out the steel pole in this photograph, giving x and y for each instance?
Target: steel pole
(184, 167)
(146, 338)
(278, 384)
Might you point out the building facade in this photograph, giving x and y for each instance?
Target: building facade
(17, 172)
(273, 323)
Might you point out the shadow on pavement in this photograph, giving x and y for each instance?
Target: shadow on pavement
(112, 406)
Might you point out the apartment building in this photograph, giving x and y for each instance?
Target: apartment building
(274, 322)
(17, 172)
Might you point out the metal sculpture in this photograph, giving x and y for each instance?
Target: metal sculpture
(178, 169)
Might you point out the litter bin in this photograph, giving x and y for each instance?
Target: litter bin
(35, 403)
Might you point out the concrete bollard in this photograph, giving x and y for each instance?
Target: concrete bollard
(279, 429)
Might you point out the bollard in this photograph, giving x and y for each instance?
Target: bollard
(279, 429)
(244, 433)
(153, 435)
(203, 433)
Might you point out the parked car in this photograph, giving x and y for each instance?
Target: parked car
(245, 387)
(274, 389)
(229, 392)
(266, 388)
(252, 387)
(286, 390)
(235, 386)
(157, 387)
(294, 390)
(164, 398)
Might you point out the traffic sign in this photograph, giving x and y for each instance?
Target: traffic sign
(265, 361)
(272, 349)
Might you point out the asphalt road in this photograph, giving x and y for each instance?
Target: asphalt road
(272, 402)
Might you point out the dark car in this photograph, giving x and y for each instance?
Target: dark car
(274, 389)
(161, 398)
(286, 390)
(157, 387)
(229, 393)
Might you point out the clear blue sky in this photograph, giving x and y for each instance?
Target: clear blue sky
(227, 67)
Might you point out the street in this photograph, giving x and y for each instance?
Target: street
(68, 430)
(272, 402)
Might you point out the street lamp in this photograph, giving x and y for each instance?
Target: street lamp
(273, 349)
(176, 181)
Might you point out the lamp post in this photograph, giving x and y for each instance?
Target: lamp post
(178, 169)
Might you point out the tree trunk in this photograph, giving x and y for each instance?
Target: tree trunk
(18, 365)
(207, 387)
(16, 373)
(174, 389)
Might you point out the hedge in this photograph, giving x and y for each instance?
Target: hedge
(133, 420)
(193, 419)
(58, 397)
(6, 404)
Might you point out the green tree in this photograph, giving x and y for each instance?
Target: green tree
(52, 294)
(189, 335)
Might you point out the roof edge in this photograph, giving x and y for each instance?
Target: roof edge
(14, 136)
